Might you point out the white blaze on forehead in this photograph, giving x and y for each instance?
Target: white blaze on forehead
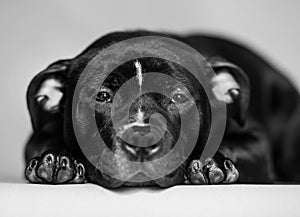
(139, 77)
(139, 74)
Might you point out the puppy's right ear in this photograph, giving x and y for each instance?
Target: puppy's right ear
(236, 87)
(45, 96)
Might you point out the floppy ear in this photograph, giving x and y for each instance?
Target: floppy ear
(236, 87)
(45, 96)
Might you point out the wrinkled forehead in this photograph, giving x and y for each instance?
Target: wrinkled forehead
(141, 68)
(117, 63)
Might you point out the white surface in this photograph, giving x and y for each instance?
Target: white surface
(185, 201)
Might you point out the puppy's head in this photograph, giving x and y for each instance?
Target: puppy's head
(138, 128)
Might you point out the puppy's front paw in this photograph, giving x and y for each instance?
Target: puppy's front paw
(54, 169)
(212, 171)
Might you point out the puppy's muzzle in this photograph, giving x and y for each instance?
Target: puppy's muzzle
(142, 141)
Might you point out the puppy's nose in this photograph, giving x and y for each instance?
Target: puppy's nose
(140, 142)
(142, 135)
(141, 130)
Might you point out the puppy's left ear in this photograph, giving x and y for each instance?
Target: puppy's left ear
(45, 96)
(235, 86)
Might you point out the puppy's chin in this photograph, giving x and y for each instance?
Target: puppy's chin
(174, 178)
(123, 172)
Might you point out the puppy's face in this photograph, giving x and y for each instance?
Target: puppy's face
(138, 128)
(146, 128)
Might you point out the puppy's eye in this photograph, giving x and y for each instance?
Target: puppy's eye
(103, 96)
(179, 98)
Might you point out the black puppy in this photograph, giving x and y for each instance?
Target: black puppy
(260, 143)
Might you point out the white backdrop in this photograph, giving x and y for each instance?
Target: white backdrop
(35, 33)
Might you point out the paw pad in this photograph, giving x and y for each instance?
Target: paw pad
(55, 169)
(212, 171)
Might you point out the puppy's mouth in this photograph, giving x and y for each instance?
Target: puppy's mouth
(143, 142)
(142, 174)
(138, 150)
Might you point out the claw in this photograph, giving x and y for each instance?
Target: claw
(65, 172)
(80, 173)
(214, 173)
(30, 173)
(195, 173)
(47, 168)
(232, 173)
